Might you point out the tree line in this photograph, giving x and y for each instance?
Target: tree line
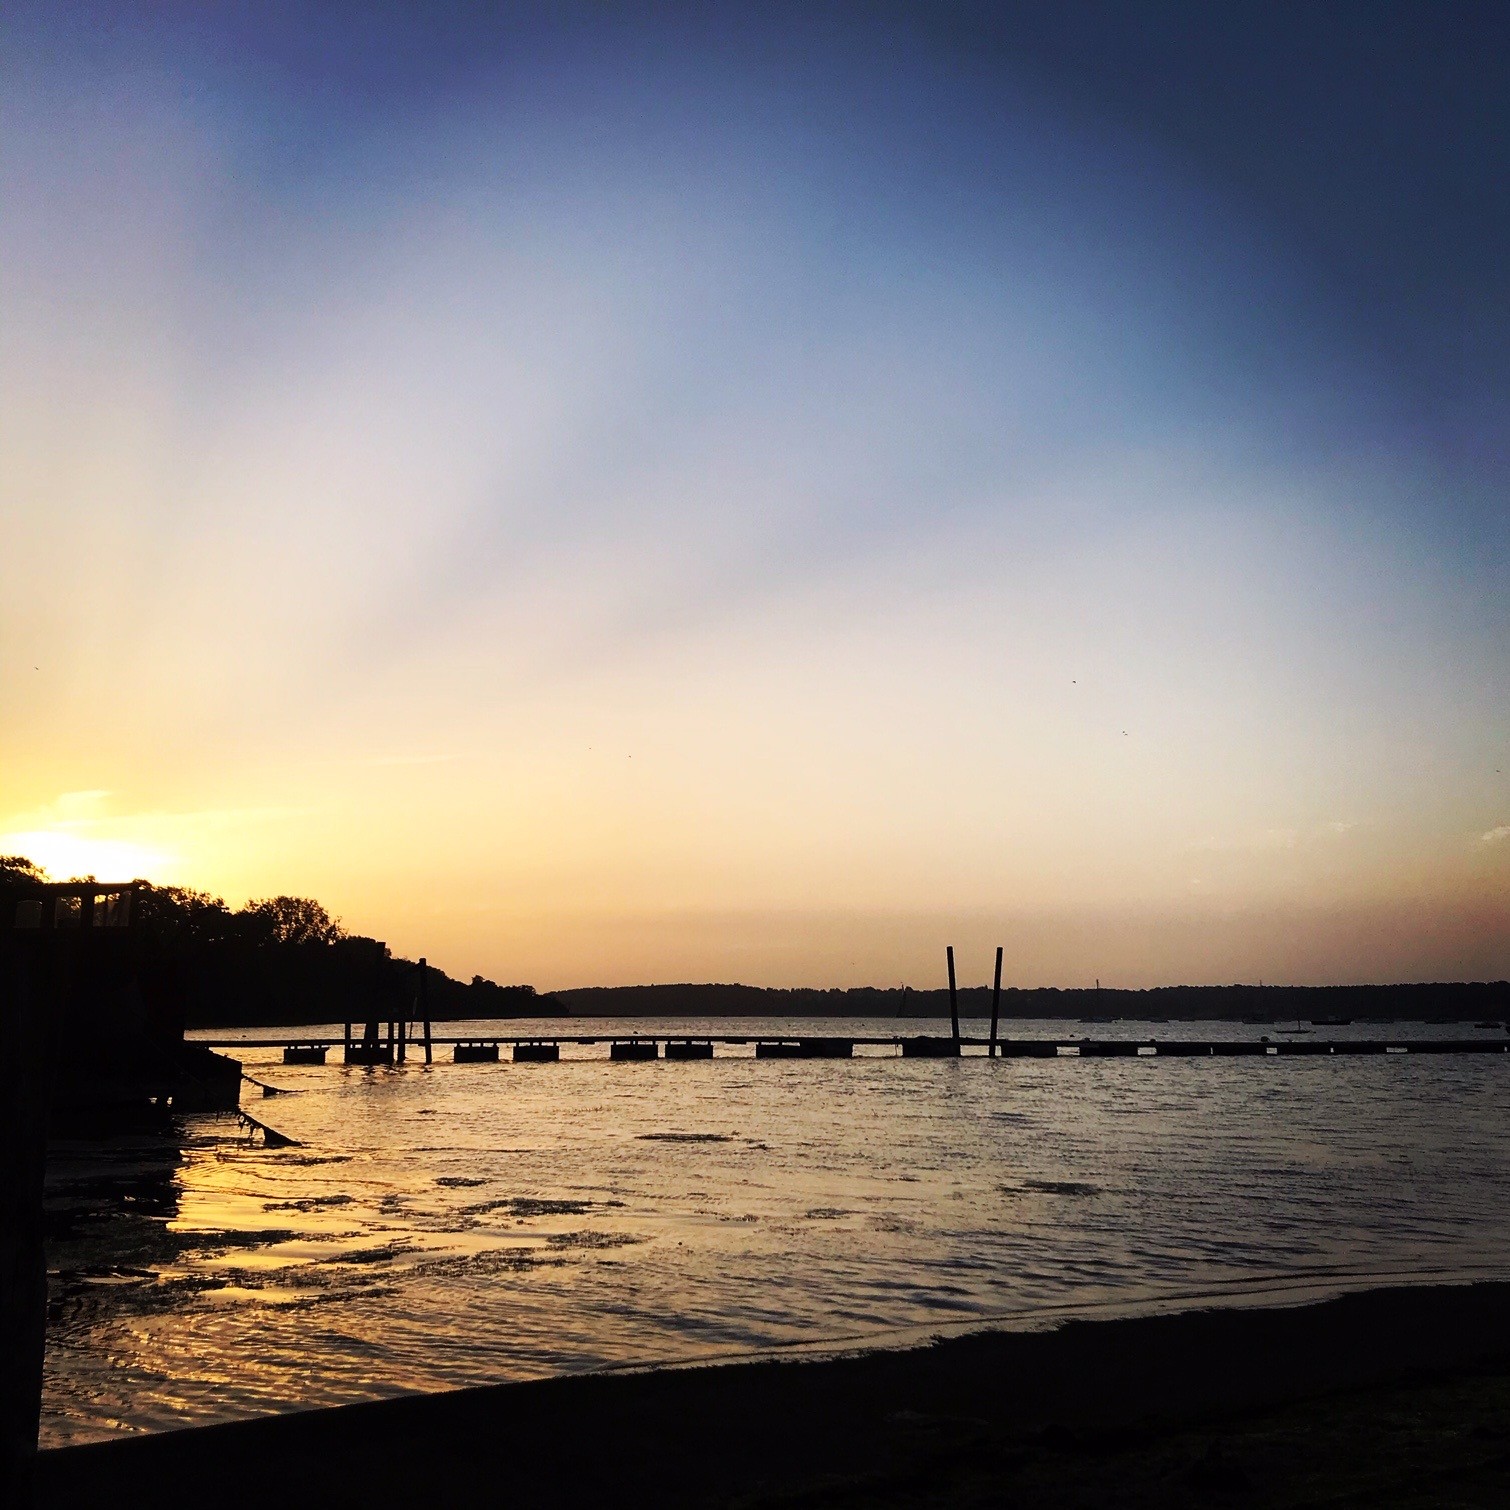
(1449, 1001)
(284, 960)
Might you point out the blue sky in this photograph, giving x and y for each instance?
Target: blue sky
(1036, 473)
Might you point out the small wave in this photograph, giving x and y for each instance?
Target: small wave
(377, 1255)
(220, 1242)
(528, 1205)
(489, 1261)
(592, 1239)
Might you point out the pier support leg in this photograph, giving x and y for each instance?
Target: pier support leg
(424, 1002)
(26, 983)
(995, 1003)
(953, 1001)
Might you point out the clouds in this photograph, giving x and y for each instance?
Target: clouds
(1496, 835)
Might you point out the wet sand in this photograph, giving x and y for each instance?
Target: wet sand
(1391, 1397)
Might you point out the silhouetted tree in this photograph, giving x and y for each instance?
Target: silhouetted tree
(17, 873)
(290, 920)
(184, 917)
(281, 959)
(488, 999)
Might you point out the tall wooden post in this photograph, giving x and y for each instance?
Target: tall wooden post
(424, 1002)
(953, 1000)
(995, 1002)
(29, 984)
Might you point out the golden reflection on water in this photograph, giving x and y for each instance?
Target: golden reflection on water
(454, 1224)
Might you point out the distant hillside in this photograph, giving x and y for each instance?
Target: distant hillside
(1448, 1002)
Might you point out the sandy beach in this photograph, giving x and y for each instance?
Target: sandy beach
(1387, 1397)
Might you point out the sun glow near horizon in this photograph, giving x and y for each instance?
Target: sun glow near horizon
(96, 833)
(593, 510)
(64, 855)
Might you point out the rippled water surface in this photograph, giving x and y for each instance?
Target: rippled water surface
(463, 1223)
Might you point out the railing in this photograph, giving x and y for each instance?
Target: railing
(70, 907)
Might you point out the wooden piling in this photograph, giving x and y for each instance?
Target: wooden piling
(30, 985)
(424, 1004)
(953, 1000)
(995, 1004)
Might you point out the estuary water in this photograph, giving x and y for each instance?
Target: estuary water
(460, 1224)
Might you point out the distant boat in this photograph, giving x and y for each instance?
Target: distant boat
(1332, 1022)
(1298, 1028)
(1493, 1027)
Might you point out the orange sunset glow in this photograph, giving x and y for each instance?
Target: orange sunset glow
(625, 543)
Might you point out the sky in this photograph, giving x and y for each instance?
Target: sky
(601, 494)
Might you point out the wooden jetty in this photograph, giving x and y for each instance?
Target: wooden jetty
(635, 1047)
(386, 1043)
(104, 994)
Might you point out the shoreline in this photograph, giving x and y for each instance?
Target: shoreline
(995, 1407)
(1261, 1293)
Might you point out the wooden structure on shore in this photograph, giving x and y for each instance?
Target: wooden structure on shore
(91, 1037)
(384, 1042)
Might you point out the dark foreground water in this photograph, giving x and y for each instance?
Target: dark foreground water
(460, 1224)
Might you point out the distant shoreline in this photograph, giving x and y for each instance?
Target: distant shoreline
(1369, 1393)
(1436, 1002)
(1323, 1006)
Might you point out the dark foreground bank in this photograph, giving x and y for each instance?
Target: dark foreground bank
(1393, 1397)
